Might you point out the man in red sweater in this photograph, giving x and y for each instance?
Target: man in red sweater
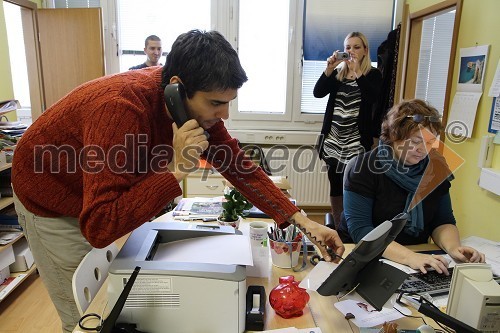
(108, 157)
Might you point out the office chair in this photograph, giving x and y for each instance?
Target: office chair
(91, 274)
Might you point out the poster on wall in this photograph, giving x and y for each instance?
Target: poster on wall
(463, 111)
(472, 65)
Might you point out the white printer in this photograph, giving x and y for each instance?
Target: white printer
(178, 297)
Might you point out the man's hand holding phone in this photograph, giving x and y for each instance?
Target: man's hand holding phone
(189, 142)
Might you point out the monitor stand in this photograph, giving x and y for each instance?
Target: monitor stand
(378, 281)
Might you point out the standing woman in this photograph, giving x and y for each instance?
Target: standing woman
(349, 125)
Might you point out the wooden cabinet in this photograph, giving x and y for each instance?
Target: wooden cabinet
(203, 184)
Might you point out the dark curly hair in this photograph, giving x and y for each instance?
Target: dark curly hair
(397, 126)
(204, 61)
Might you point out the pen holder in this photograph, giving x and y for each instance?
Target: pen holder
(284, 254)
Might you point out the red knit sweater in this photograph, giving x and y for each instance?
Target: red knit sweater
(96, 155)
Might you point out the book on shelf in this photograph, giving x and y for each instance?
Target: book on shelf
(7, 236)
(9, 284)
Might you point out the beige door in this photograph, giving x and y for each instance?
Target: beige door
(72, 49)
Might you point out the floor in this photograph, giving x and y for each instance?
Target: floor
(28, 308)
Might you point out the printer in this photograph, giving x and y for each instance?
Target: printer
(180, 297)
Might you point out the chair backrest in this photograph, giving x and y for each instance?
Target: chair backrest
(348, 167)
(91, 274)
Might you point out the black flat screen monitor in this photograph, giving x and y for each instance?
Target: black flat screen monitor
(361, 269)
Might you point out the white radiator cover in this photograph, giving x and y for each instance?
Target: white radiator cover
(306, 173)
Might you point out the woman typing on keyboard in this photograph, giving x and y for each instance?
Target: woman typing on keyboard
(406, 174)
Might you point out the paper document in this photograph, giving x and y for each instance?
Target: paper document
(219, 249)
(366, 316)
(491, 250)
(463, 113)
(295, 330)
(495, 85)
(318, 275)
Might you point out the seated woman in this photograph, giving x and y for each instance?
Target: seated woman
(404, 174)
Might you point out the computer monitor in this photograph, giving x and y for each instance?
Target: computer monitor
(374, 280)
(475, 297)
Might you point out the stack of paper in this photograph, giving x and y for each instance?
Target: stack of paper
(12, 128)
(9, 105)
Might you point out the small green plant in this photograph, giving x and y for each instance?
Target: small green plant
(234, 206)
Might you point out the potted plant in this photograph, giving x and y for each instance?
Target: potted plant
(234, 208)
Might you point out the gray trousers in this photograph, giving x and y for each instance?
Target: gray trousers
(58, 246)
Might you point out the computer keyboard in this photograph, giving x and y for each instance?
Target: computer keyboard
(432, 282)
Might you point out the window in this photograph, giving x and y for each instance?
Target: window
(283, 60)
(264, 55)
(284, 63)
(434, 58)
(165, 18)
(15, 37)
(76, 3)
(325, 33)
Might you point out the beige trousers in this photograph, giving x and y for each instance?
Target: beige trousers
(58, 246)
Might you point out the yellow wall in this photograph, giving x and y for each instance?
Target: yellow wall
(477, 211)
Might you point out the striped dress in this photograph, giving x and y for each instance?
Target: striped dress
(343, 142)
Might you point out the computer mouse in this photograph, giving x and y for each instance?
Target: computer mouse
(425, 329)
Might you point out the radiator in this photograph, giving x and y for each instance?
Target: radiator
(306, 173)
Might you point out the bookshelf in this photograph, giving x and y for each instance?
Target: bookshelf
(17, 277)
(7, 201)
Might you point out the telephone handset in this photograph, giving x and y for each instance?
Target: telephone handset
(175, 95)
(174, 98)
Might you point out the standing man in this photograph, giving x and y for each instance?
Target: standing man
(152, 49)
(108, 157)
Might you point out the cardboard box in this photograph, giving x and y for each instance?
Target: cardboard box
(4, 274)
(23, 256)
(6, 258)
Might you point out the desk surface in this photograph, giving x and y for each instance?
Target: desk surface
(320, 311)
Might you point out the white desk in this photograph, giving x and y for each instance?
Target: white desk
(320, 311)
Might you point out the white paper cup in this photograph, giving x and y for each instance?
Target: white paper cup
(280, 253)
(258, 232)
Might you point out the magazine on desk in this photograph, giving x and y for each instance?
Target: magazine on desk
(200, 207)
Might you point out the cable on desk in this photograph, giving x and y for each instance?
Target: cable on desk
(421, 299)
(90, 315)
(93, 315)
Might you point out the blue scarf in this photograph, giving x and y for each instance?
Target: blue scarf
(408, 178)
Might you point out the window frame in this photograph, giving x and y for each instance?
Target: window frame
(291, 119)
(224, 18)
